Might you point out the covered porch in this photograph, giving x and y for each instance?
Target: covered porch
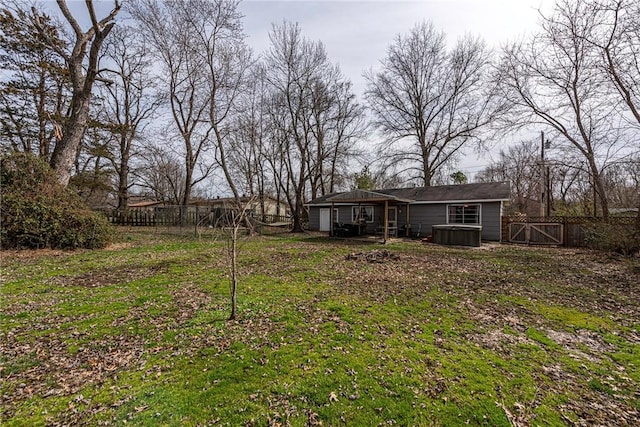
(368, 213)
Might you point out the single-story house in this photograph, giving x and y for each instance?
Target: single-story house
(411, 211)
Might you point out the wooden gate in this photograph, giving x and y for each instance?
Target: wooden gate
(537, 233)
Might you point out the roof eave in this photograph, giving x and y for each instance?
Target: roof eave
(410, 202)
(428, 202)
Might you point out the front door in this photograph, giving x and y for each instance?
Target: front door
(393, 216)
(325, 219)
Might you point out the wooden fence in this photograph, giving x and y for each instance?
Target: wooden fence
(556, 230)
(180, 216)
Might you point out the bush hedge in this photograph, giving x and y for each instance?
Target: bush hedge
(36, 211)
(621, 238)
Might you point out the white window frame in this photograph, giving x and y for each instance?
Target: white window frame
(355, 210)
(335, 215)
(463, 206)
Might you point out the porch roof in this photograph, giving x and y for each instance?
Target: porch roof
(364, 196)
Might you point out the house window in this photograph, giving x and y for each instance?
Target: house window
(361, 214)
(463, 214)
(335, 215)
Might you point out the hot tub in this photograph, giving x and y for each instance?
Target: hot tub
(457, 234)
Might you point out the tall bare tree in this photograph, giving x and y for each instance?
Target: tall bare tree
(428, 102)
(292, 63)
(555, 80)
(218, 41)
(617, 37)
(167, 25)
(247, 154)
(128, 101)
(336, 122)
(313, 117)
(83, 69)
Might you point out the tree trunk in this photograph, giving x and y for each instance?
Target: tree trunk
(297, 215)
(123, 181)
(66, 150)
(83, 70)
(234, 270)
(599, 188)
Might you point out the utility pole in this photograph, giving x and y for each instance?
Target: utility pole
(545, 184)
(548, 190)
(543, 181)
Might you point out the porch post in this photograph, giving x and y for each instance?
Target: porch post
(331, 220)
(408, 224)
(386, 220)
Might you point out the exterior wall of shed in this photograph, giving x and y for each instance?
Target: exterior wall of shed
(491, 221)
(314, 218)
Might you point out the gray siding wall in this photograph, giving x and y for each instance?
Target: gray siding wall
(344, 214)
(421, 218)
(491, 221)
(314, 218)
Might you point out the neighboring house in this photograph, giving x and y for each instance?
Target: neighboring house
(413, 211)
(271, 206)
(623, 211)
(147, 205)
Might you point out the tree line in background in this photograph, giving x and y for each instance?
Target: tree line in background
(165, 102)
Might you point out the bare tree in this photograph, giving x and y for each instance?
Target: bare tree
(430, 103)
(238, 222)
(83, 70)
(554, 79)
(336, 122)
(293, 64)
(247, 153)
(313, 117)
(617, 37)
(161, 175)
(520, 165)
(168, 27)
(619, 42)
(217, 39)
(127, 104)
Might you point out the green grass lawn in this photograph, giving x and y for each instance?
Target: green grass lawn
(497, 336)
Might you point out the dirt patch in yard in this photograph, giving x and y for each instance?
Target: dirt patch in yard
(108, 276)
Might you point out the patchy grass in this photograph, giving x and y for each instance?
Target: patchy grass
(497, 336)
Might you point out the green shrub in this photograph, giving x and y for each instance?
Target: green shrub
(611, 237)
(38, 212)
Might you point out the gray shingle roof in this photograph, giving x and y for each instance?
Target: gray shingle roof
(435, 194)
(364, 195)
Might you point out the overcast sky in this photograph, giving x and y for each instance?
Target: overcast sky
(356, 34)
